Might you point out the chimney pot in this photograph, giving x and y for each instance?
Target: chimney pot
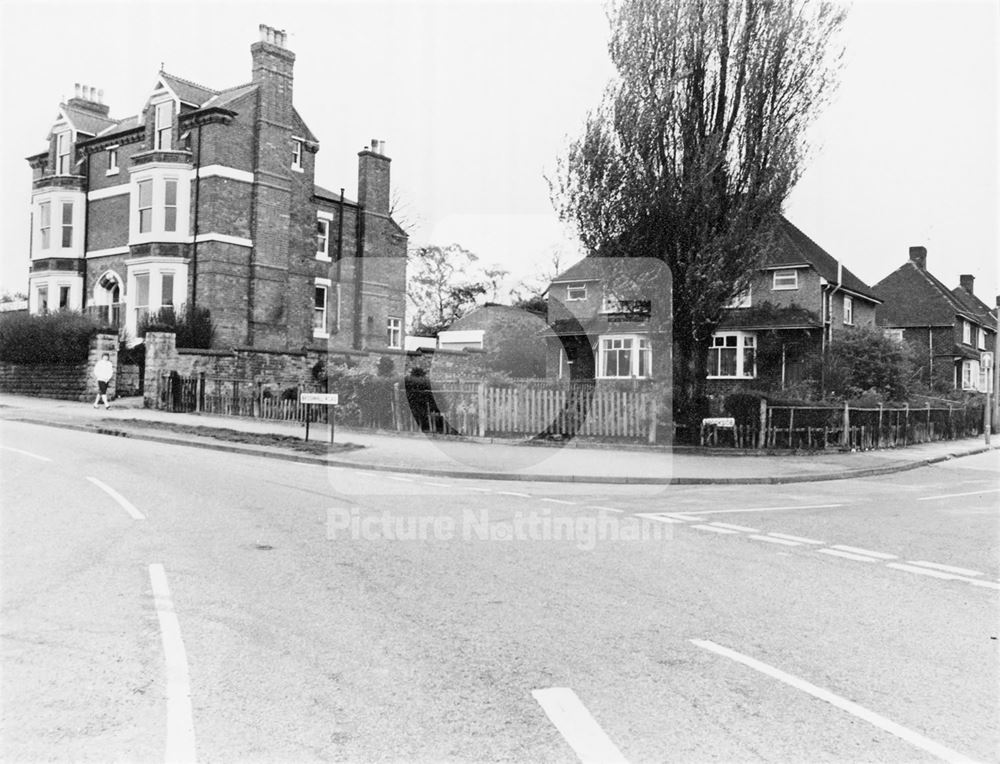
(919, 257)
(100, 96)
(967, 280)
(76, 89)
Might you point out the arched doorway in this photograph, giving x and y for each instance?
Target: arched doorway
(108, 304)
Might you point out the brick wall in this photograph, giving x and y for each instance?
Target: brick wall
(107, 222)
(74, 382)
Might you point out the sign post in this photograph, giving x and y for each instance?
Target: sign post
(986, 372)
(318, 399)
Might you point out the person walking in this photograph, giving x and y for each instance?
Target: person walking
(103, 371)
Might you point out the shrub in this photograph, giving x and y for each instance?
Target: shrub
(62, 337)
(864, 362)
(193, 326)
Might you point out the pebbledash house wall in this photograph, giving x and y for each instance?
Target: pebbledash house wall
(71, 382)
(250, 243)
(279, 370)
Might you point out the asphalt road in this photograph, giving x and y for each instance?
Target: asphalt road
(165, 602)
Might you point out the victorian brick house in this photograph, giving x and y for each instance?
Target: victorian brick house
(799, 300)
(951, 331)
(208, 198)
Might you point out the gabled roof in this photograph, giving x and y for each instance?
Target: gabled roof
(333, 196)
(791, 248)
(974, 305)
(230, 95)
(188, 92)
(83, 120)
(794, 247)
(914, 297)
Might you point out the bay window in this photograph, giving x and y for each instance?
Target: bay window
(733, 355)
(170, 204)
(45, 224)
(145, 206)
(624, 357)
(67, 224)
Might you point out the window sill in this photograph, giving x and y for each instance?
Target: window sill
(298, 169)
(324, 258)
(784, 288)
(318, 335)
(732, 377)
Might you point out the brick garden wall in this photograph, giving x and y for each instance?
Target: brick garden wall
(71, 382)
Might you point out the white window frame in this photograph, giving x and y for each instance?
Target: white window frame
(970, 375)
(744, 341)
(742, 300)
(323, 331)
(40, 290)
(298, 146)
(780, 279)
(64, 152)
(45, 225)
(896, 335)
(64, 227)
(394, 332)
(177, 189)
(966, 332)
(159, 175)
(163, 109)
(639, 355)
(148, 209)
(848, 310)
(323, 253)
(112, 161)
(576, 287)
(981, 338)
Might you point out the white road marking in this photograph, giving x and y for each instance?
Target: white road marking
(577, 726)
(606, 509)
(125, 503)
(439, 485)
(941, 574)
(946, 568)
(956, 495)
(400, 479)
(858, 550)
(735, 527)
(515, 493)
(180, 723)
(559, 501)
(26, 453)
(481, 490)
(657, 518)
(678, 516)
(772, 540)
(713, 529)
(847, 555)
(760, 509)
(800, 539)
(877, 720)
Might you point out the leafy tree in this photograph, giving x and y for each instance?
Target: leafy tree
(439, 287)
(697, 144)
(863, 360)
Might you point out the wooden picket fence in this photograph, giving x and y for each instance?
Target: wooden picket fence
(531, 409)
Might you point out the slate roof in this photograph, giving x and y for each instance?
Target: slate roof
(794, 247)
(87, 121)
(230, 95)
(189, 92)
(914, 297)
(333, 196)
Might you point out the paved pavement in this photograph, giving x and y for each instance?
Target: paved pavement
(169, 603)
(498, 460)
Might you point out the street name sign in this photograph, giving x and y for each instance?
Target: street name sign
(330, 399)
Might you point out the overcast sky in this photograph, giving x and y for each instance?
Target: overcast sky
(476, 99)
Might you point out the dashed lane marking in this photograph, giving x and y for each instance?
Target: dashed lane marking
(657, 518)
(800, 539)
(760, 509)
(772, 540)
(26, 453)
(605, 509)
(180, 723)
(877, 720)
(515, 493)
(713, 529)
(941, 574)
(122, 501)
(559, 501)
(400, 479)
(847, 555)
(589, 742)
(946, 568)
(743, 528)
(957, 495)
(438, 485)
(859, 550)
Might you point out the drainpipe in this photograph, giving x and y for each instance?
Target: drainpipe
(359, 278)
(194, 238)
(86, 229)
(340, 254)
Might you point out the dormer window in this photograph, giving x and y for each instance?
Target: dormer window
(297, 154)
(576, 292)
(163, 125)
(62, 153)
(786, 279)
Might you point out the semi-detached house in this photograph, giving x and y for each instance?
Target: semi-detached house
(208, 198)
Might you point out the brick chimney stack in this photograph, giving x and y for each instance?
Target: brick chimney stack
(272, 72)
(89, 99)
(373, 178)
(919, 257)
(967, 280)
